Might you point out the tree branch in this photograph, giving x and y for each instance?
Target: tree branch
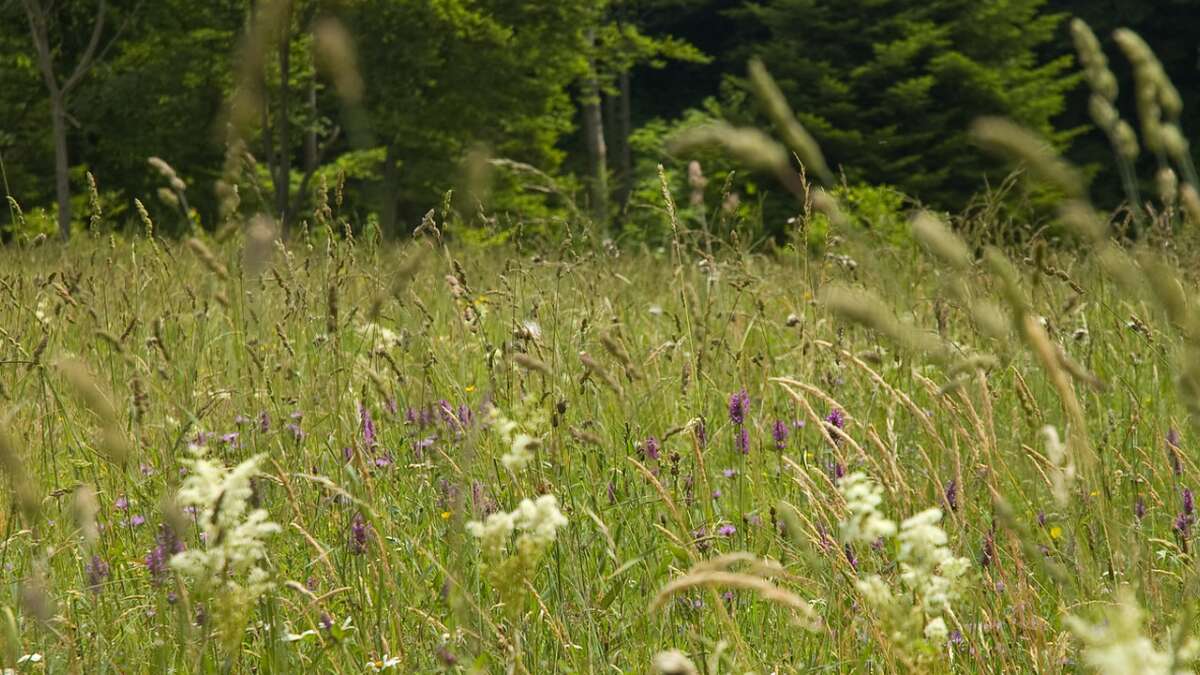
(85, 61)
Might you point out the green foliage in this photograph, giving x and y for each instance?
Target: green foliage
(889, 88)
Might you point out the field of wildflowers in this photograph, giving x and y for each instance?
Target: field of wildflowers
(348, 455)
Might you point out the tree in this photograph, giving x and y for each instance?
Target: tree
(41, 14)
(889, 86)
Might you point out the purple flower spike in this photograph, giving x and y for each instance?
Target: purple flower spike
(1189, 502)
(97, 571)
(650, 449)
(368, 426)
(1139, 508)
(358, 534)
(743, 441)
(952, 494)
(836, 418)
(166, 544)
(701, 434)
(739, 403)
(780, 433)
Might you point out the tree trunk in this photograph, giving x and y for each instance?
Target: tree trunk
(62, 165)
(283, 179)
(310, 140)
(624, 130)
(593, 132)
(387, 193)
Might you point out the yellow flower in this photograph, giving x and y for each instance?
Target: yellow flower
(445, 515)
(469, 388)
(1055, 532)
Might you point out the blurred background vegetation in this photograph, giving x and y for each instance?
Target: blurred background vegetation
(540, 114)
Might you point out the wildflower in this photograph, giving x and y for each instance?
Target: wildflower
(368, 426)
(137, 520)
(1118, 645)
(383, 461)
(121, 503)
(264, 422)
(391, 406)
(359, 533)
(97, 571)
(739, 403)
(780, 432)
(743, 441)
(537, 520)
(296, 431)
(650, 449)
(727, 530)
(1189, 502)
(1139, 508)
(166, 545)
(952, 494)
(729, 473)
(836, 419)
(228, 568)
(701, 433)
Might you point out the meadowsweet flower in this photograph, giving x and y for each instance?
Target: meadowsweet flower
(864, 522)
(780, 432)
(1062, 467)
(1118, 645)
(228, 568)
(739, 404)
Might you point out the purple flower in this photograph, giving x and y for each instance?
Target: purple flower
(166, 544)
(780, 433)
(1183, 525)
(390, 404)
(121, 503)
(743, 441)
(1189, 501)
(146, 469)
(231, 439)
(739, 403)
(836, 419)
(650, 449)
(264, 422)
(359, 532)
(410, 415)
(701, 434)
(850, 557)
(347, 454)
(296, 431)
(952, 494)
(798, 424)
(447, 413)
(700, 538)
(419, 446)
(325, 621)
(97, 571)
(1139, 508)
(464, 415)
(368, 426)
(137, 521)
(1173, 438)
(383, 461)
(716, 494)
(730, 473)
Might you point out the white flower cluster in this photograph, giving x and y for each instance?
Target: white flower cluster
(864, 523)
(1062, 468)
(1118, 646)
(521, 439)
(929, 570)
(537, 520)
(233, 532)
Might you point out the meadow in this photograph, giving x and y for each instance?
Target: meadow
(683, 424)
(961, 445)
